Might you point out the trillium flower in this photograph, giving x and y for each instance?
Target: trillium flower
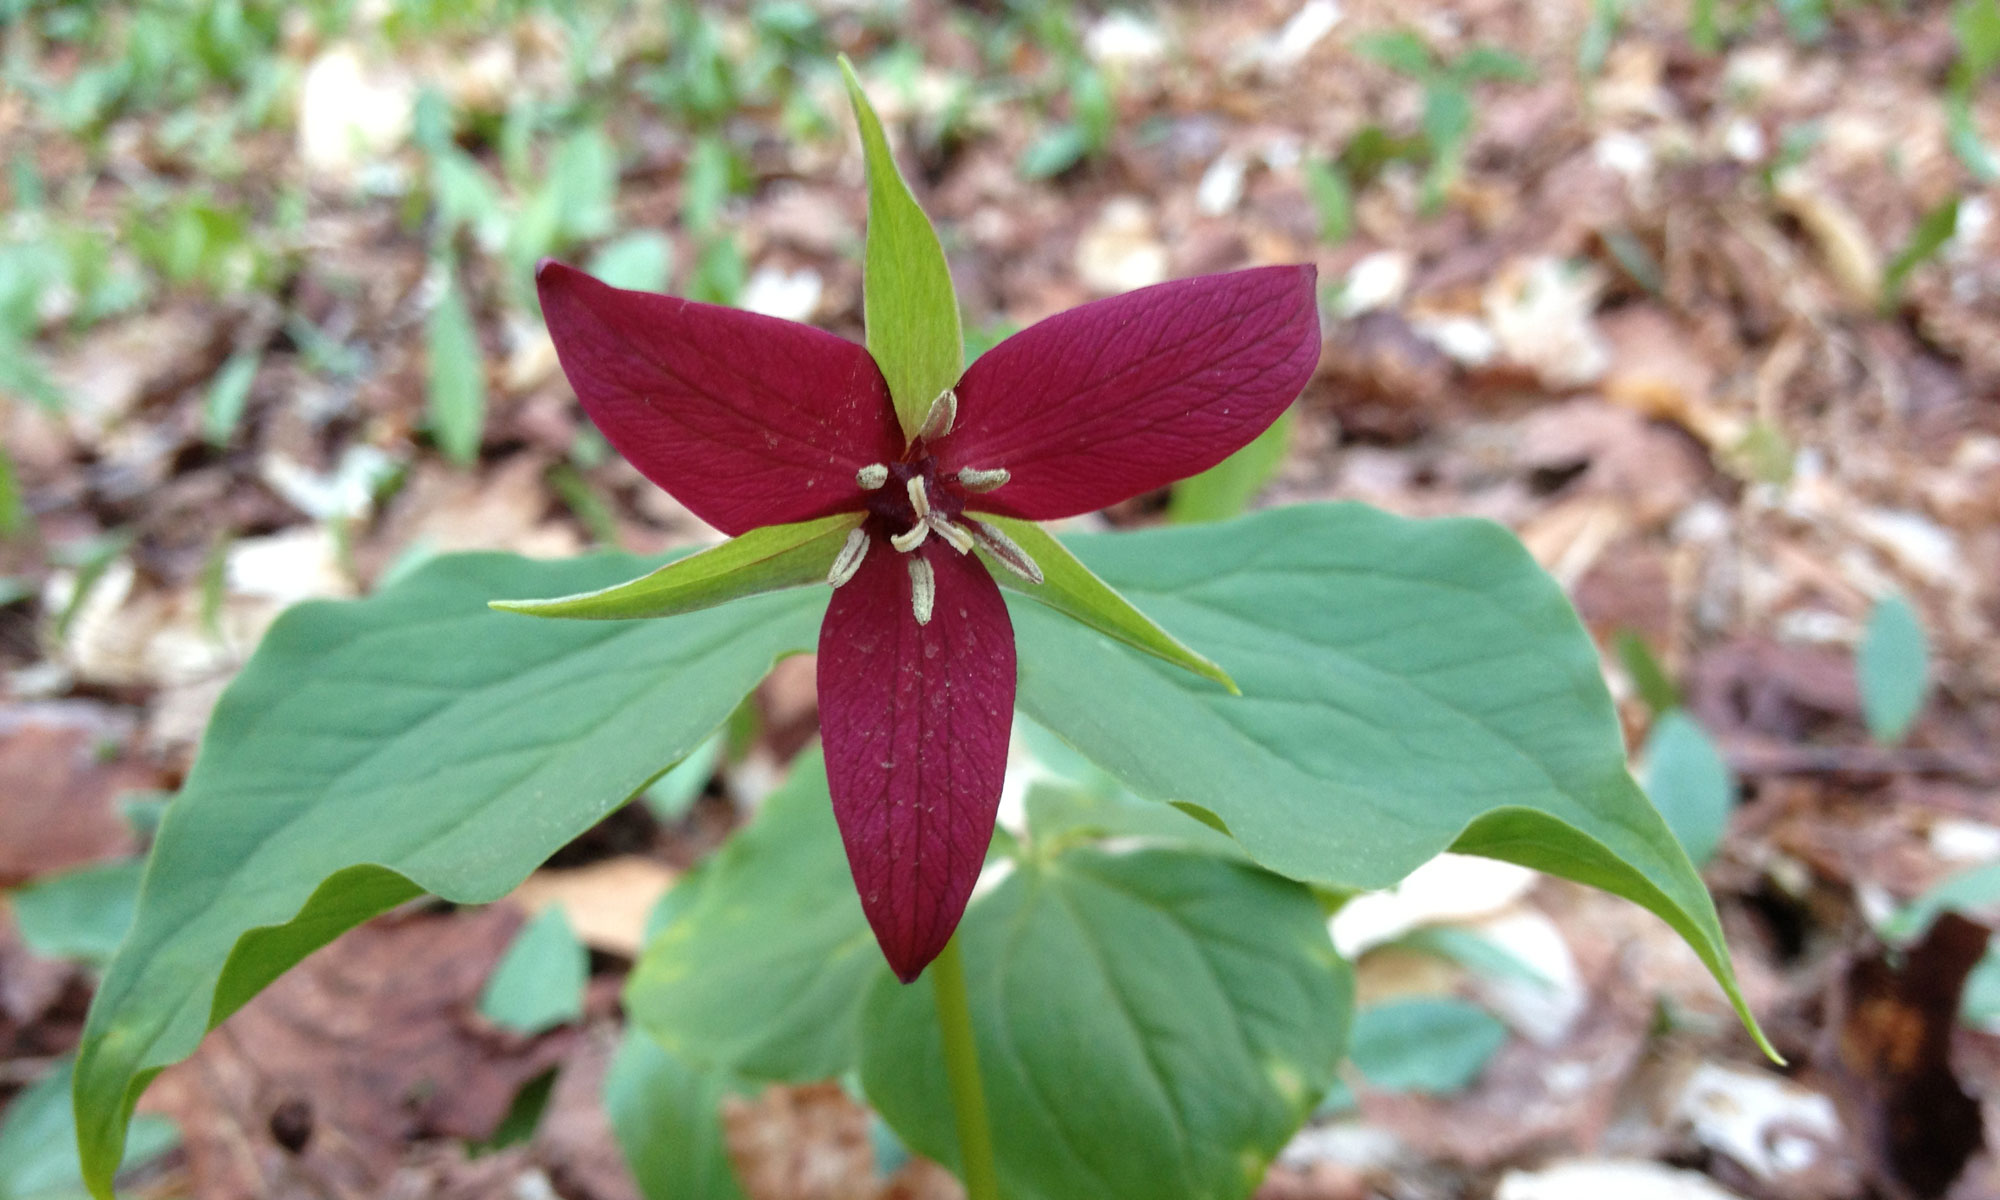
(786, 437)
(913, 488)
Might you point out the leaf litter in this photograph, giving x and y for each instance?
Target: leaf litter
(1649, 324)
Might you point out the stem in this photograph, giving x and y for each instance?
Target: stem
(961, 1068)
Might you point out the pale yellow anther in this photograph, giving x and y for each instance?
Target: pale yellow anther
(959, 540)
(912, 537)
(920, 496)
(942, 416)
(974, 480)
(1005, 550)
(923, 589)
(848, 561)
(872, 476)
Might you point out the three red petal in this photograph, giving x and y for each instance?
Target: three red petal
(753, 421)
(915, 720)
(1121, 396)
(746, 419)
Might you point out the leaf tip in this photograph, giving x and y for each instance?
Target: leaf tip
(1207, 669)
(857, 98)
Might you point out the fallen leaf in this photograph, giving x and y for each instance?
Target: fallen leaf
(1121, 250)
(318, 1085)
(606, 902)
(1771, 1127)
(351, 114)
(57, 789)
(1843, 243)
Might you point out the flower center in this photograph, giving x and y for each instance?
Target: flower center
(913, 503)
(909, 501)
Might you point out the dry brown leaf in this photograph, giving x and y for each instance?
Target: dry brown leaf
(57, 790)
(325, 1078)
(606, 902)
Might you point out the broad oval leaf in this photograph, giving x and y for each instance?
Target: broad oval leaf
(1432, 1044)
(1973, 893)
(538, 984)
(1151, 1024)
(79, 914)
(1408, 687)
(414, 740)
(908, 306)
(761, 968)
(1689, 783)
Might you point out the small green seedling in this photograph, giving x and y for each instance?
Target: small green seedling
(1449, 108)
(1893, 666)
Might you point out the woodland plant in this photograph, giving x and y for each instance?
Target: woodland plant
(1133, 991)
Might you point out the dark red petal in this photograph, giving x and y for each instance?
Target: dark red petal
(915, 719)
(1121, 396)
(746, 419)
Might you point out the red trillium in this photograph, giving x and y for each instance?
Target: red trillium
(752, 421)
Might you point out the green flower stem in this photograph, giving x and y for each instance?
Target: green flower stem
(961, 1068)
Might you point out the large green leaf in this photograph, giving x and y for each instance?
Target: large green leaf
(908, 307)
(413, 741)
(1408, 687)
(1149, 1025)
(767, 559)
(762, 970)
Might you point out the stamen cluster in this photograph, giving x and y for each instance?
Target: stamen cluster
(927, 503)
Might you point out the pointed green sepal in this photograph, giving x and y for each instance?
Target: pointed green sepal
(906, 298)
(1072, 589)
(763, 560)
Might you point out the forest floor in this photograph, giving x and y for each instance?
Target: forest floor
(1711, 319)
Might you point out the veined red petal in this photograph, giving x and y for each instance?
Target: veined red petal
(748, 420)
(1121, 396)
(915, 720)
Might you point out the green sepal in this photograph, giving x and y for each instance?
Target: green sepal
(769, 559)
(908, 306)
(1073, 590)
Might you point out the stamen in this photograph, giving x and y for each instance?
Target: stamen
(920, 497)
(960, 540)
(872, 476)
(942, 416)
(848, 561)
(973, 480)
(923, 589)
(1005, 550)
(912, 537)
